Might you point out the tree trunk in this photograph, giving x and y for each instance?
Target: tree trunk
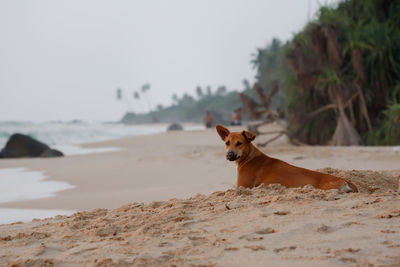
(345, 133)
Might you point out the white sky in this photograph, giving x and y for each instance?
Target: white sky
(63, 60)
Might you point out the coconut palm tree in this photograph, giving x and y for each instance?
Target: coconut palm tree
(199, 92)
(136, 97)
(346, 65)
(119, 94)
(145, 89)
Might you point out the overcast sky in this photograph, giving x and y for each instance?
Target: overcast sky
(63, 60)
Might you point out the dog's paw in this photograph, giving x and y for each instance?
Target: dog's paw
(345, 188)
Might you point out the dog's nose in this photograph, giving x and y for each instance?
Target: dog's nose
(230, 155)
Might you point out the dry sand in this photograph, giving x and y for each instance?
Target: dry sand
(270, 226)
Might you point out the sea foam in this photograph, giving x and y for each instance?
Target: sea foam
(17, 184)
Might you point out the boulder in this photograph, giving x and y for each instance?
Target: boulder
(50, 153)
(20, 145)
(175, 127)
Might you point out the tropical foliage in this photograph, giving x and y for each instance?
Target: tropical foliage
(343, 83)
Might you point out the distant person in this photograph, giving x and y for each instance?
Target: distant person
(236, 118)
(208, 120)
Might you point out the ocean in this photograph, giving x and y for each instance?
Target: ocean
(78, 132)
(18, 184)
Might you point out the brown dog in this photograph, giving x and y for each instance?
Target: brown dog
(255, 168)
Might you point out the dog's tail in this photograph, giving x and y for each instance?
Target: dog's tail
(349, 187)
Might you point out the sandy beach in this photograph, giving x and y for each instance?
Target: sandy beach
(169, 199)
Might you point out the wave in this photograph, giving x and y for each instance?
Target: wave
(76, 132)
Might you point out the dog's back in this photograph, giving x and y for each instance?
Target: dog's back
(266, 170)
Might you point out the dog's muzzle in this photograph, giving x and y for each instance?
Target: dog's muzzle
(231, 156)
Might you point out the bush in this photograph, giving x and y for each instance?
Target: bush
(389, 131)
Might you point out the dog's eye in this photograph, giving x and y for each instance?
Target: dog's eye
(227, 143)
(238, 143)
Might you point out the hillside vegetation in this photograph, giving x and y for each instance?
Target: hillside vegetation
(221, 104)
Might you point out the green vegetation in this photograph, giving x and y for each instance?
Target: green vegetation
(388, 132)
(190, 109)
(343, 83)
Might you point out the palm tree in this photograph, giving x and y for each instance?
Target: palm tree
(344, 67)
(345, 132)
(145, 88)
(199, 92)
(125, 100)
(119, 94)
(136, 97)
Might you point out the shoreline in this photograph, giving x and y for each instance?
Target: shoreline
(104, 186)
(172, 165)
(223, 225)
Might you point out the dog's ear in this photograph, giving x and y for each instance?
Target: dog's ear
(248, 135)
(222, 131)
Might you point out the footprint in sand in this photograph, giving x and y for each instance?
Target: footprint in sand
(277, 250)
(255, 248)
(348, 260)
(390, 214)
(198, 240)
(231, 249)
(265, 231)
(40, 249)
(324, 228)
(281, 213)
(388, 231)
(255, 236)
(164, 244)
(79, 250)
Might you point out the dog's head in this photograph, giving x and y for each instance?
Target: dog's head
(237, 144)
